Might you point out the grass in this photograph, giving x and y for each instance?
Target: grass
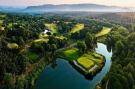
(42, 35)
(41, 40)
(2, 28)
(53, 27)
(85, 62)
(1, 22)
(71, 54)
(10, 25)
(77, 28)
(2, 16)
(12, 45)
(61, 37)
(32, 56)
(103, 32)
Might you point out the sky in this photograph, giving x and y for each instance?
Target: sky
(20, 3)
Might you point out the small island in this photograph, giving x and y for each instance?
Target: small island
(83, 57)
(89, 63)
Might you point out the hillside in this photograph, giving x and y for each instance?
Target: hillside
(75, 7)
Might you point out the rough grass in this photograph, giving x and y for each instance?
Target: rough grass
(77, 28)
(53, 27)
(12, 45)
(85, 62)
(103, 32)
(71, 54)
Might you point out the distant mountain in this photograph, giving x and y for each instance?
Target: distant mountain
(11, 9)
(75, 7)
(67, 8)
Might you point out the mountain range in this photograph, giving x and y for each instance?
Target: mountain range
(68, 7)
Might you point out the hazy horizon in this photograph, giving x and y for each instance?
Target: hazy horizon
(25, 3)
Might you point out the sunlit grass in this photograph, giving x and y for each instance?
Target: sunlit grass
(71, 54)
(77, 28)
(1, 22)
(41, 40)
(12, 45)
(2, 16)
(85, 62)
(60, 37)
(53, 27)
(103, 32)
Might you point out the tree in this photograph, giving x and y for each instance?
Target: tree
(8, 81)
(90, 41)
(119, 46)
(53, 48)
(130, 80)
(81, 46)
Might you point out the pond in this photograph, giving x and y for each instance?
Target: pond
(64, 76)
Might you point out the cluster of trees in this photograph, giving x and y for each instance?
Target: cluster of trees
(48, 48)
(91, 26)
(89, 44)
(65, 27)
(22, 30)
(122, 72)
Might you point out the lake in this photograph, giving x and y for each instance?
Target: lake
(63, 76)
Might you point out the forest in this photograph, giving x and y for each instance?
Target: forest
(31, 42)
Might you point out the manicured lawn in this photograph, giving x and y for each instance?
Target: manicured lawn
(77, 28)
(71, 54)
(85, 62)
(98, 58)
(103, 32)
(53, 27)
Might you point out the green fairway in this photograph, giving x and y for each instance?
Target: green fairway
(71, 54)
(53, 27)
(103, 32)
(77, 28)
(85, 62)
